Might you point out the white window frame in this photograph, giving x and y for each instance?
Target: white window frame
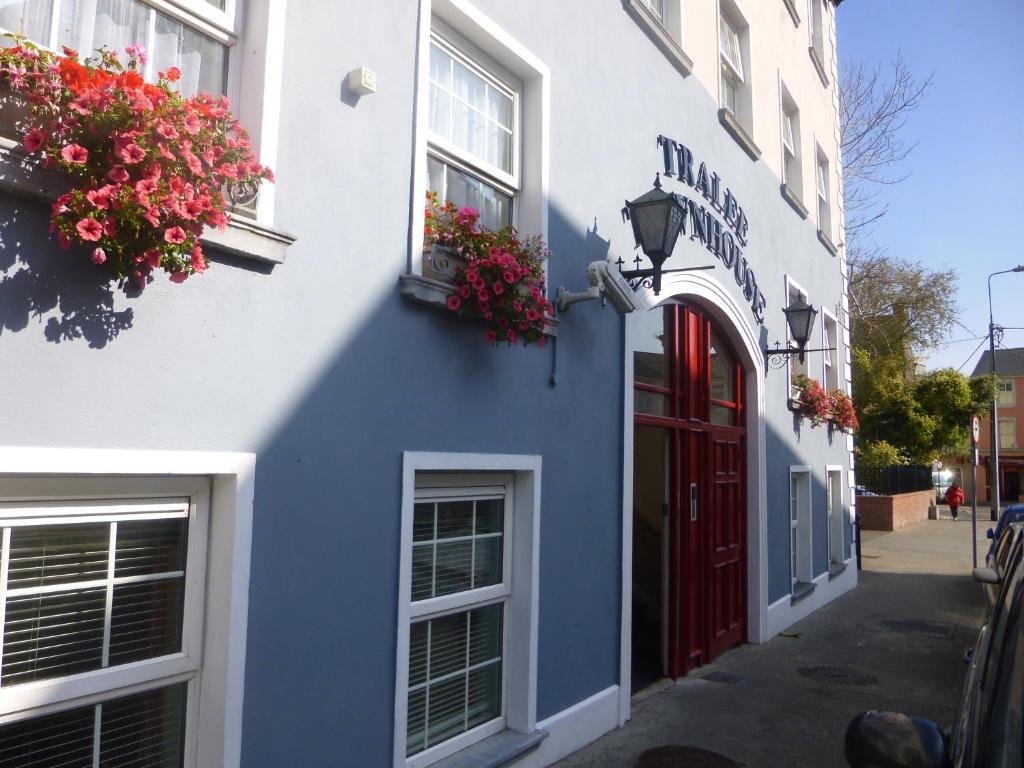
(791, 153)
(530, 209)
(1010, 388)
(816, 28)
(823, 190)
(791, 287)
(834, 507)
(801, 528)
(214, 735)
(739, 73)
(519, 663)
(830, 378)
(731, 71)
(1011, 422)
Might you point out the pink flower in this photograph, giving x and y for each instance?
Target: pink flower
(198, 262)
(167, 131)
(511, 335)
(498, 289)
(492, 337)
(33, 140)
(153, 258)
(509, 277)
(75, 153)
(99, 256)
(89, 229)
(174, 235)
(131, 153)
(482, 295)
(109, 227)
(465, 291)
(179, 277)
(193, 124)
(146, 186)
(532, 314)
(454, 302)
(118, 174)
(100, 198)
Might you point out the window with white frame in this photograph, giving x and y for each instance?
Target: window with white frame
(830, 345)
(834, 504)
(797, 367)
(794, 527)
(193, 36)
(822, 186)
(657, 9)
(792, 173)
(101, 607)
(817, 17)
(1007, 432)
(800, 525)
(461, 583)
(732, 71)
(1006, 393)
(473, 141)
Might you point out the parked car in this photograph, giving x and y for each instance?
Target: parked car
(997, 560)
(1014, 513)
(989, 728)
(860, 490)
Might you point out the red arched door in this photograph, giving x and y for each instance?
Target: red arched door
(689, 532)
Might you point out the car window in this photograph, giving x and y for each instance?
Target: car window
(1003, 549)
(1004, 726)
(1001, 612)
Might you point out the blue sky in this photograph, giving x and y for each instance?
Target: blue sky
(962, 205)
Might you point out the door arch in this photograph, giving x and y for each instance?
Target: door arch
(689, 491)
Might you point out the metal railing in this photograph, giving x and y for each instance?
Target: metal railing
(893, 479)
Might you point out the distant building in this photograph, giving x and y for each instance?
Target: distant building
(1010, 373)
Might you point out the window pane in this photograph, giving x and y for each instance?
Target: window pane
(723, 415)
(53, 635)
(468, 86)
(729, 46)
(145, 729)
(440, 67)
(423, 522)
(448, 644)
(787, 133)
(146, 620)
(422, 572)
(58, 554)
(418, 653)
(728, 93)
(651, 403)
(499, 107)
(647, 338)
(723, 371)
(446, 710)
(484, 695)
(454, 518)
(440, 110)
(453, 567)
(150, 547)
(63, 739)
(86, 25)
(487, 562)
(499, 146)
(490, 515)
(485, 634)
(468, 127)
(416, 721)
(30, 18)
(202, 61)
(462, 189)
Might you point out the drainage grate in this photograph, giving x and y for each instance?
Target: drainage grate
(673, 756)
(918, 626)
(727, 678)
(837, 676)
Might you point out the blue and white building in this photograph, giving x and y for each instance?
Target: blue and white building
(294, 511)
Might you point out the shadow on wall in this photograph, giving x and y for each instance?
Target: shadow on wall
(36, 278)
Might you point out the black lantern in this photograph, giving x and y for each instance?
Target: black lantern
(657, 219)
(800, 317)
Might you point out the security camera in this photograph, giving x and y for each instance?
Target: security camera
(605, 282)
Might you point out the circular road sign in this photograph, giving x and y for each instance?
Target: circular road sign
(975, 429)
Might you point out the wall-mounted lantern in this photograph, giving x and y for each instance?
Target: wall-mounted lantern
(800, 318)
(657, 217)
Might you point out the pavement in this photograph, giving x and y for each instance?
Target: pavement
(906, 625)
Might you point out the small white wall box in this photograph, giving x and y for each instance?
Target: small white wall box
(362, 81)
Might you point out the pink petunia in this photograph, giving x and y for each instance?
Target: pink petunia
(193, 124)
(33, 140)
(131, 153)
(75, 153)
(532, 314)
(153, 258)
(198, 262)
(89, 229)
(498, 289)
(179, 277)
(492, 337)
(99, 256)
(511, 335)
(100, 198)
(454, 302)
(174, 235)
(509, 277)
(167, 131)
(146, 186)
(118, 174)
(110, 227)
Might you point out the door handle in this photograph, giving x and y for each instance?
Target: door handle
(693, 502)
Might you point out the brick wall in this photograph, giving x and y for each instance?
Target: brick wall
(891, 513)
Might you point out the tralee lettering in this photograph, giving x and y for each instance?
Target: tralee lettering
(726, 242)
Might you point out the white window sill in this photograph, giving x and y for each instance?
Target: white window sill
(668, 44)
(430, 292)
(825, 240)
(819, 65)
(791, 197)
(495, 751)
(791, 7)
(244, 237)
(738, 132)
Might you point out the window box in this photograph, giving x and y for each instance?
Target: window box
(441, 263)
(790, 197)
(738, 132)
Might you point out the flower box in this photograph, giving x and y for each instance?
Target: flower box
(442, 263)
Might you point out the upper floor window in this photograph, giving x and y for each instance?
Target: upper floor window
(1006, 394)
(193, 36)
(472, 145)
(830, 344)
(817, 30)
(822, 183)
(657, 9)
(792, 172)
(1008, 432)
(732, 64)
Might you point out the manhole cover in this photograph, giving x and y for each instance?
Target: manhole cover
(728, 678)
(837, 676)
(918, 626)
(684, 757)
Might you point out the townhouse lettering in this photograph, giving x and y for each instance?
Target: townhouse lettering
(725, 241)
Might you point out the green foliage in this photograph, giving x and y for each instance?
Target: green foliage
(880, 453)
(922, 420)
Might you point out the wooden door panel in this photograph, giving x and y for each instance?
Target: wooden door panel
(725, 551)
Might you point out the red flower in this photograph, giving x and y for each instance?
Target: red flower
(454, 302)
(75, 153)
(33, 140)
(175, 235)
(89, 229)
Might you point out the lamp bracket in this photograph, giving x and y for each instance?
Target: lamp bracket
(645, 277)
(782, 354)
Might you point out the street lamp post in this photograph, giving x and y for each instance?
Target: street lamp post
(993, 462)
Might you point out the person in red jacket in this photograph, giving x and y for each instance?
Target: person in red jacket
(954, 497)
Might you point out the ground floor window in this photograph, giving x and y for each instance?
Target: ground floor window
(467, 629)
(101, 606)
(800, 527)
